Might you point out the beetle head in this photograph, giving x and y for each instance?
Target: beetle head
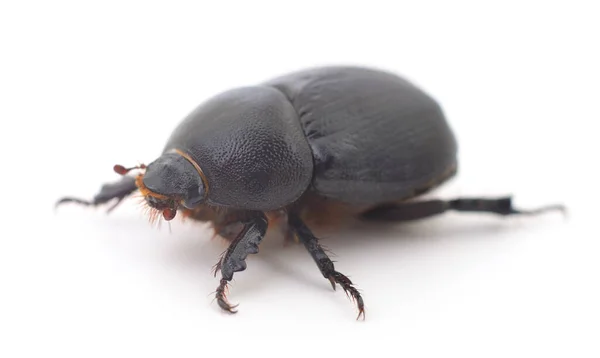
(168, 182)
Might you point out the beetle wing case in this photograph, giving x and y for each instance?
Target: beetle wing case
(375, 136)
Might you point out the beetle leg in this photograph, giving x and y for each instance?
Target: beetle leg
(324, 262)
(234, 259)
(424, 209)
(118, 190)
(228, 231)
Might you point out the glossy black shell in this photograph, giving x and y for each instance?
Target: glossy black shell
(356, 135)
(250, 146)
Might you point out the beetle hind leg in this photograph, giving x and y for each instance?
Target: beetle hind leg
(424, 209)
(325, 264)
(118, 190)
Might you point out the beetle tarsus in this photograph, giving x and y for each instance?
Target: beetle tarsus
(350, 291)
(425, 209)
(222, 298)
(234, 259)
(500, 206)
(542, 210)
(118, 190)
(325, 264)
(69, 199)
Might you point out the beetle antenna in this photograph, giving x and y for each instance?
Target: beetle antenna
(119, 169)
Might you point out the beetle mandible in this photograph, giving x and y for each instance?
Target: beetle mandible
(361, 140)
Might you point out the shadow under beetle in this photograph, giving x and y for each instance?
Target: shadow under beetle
(322, 142)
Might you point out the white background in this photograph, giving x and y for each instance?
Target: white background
(84, 86)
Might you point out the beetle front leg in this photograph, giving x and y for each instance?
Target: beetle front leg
(324, 262)
(234, 259)
(118, 190)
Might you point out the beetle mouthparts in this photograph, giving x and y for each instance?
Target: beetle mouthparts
(169, 214)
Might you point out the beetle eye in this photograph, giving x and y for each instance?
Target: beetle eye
(169, 214)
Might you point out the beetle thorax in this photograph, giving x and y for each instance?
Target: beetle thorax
(251, 147)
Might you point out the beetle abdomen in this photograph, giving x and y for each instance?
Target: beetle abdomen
(375, 136)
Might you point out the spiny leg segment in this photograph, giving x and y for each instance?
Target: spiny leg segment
(324, 263)
(234, 259)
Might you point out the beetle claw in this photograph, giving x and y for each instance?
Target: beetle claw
(332, 280)
(545, 209)
(361, 310)
(226, 306)
(222, 299)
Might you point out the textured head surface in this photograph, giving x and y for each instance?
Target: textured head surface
(171, 175)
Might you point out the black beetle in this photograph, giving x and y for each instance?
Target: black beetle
(348, 140)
